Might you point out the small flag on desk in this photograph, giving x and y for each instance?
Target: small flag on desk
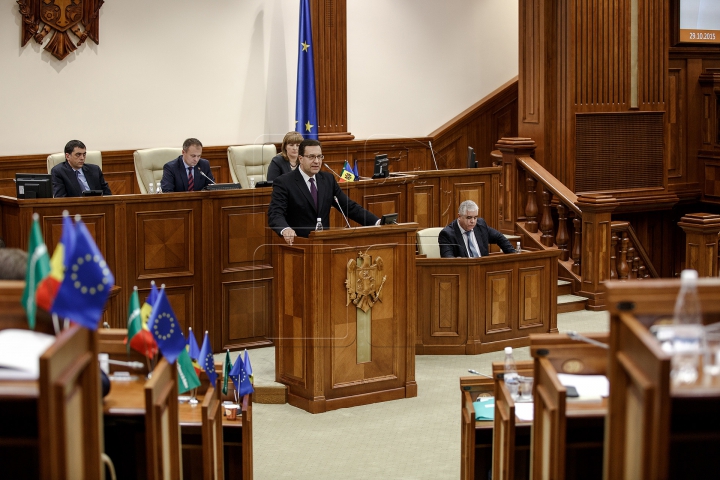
(193, 351)
(355, 170)
(166, 329)
(38, 267)
(248, 367)
(139, 337)
(305, 103)
(240, 378)
(207, 361)
(86, 286)
(347, 174)
(187, 378)
(47, 289)
(226, 372)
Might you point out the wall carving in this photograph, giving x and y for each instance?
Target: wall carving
(60, 17)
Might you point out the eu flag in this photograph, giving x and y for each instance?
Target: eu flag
(240, 377)
(206, 360)
(87, 282)
(165, 328)
(305, 103)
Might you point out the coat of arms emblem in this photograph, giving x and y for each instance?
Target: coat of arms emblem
(364, 281)
(60, 16)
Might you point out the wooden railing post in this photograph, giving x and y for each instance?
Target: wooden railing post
(512, 193)
(531, 208)
(563, 237)
(577, 246)
(701, 242)
(613, 256)
(546, 222)
(596, 239)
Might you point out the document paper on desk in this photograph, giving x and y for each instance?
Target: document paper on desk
(20, 352)
(587, 386)
(525, 411)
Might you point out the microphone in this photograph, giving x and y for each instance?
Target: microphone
(433, 155)
(203, 174)
(580, 338)
(333, 171)
(343, 214)
(133, 365)
(478, 373)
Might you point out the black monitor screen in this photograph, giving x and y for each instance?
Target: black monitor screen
(471, 163)
(381, 166)
(33, 185)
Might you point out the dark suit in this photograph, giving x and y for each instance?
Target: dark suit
(452, 243)
(278, 166)
(66, 184)
(292, 204)
(175, 177)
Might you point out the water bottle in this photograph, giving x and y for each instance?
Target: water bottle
(517, 248)
(318, 225)
(151, 187)
(158, 189)
(510, 376)
(689, 333)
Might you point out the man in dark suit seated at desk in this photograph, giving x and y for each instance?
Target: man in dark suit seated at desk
(185, 173)
(74, 176)
(456, 240)
(302, 196)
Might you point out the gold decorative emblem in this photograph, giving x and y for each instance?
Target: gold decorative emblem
(362, 281)
(60, 16)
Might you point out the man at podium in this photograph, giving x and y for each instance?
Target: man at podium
(469, 236)
(302, 196)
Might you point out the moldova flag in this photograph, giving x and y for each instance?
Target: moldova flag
(47, 289)
(139, 337)
(347, 174)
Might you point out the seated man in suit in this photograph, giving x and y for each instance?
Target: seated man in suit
(185, 173)
(305, 194)
(456, 240)
(74, 176)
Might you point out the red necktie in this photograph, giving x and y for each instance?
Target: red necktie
(191, 180)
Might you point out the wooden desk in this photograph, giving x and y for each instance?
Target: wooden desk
(19, 445)
(212, 250)
(656, 430)
(477, 305)
(124, 413)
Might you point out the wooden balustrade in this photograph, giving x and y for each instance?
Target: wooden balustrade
(628, 258)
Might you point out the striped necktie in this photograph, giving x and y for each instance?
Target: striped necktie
(471, 247)
(191, 180)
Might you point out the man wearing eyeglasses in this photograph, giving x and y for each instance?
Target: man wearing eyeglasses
(302, 196)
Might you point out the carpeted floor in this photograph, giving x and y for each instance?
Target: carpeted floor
(416, 438)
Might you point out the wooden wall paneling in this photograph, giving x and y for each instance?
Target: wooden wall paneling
(246, 311)
(676, 148)
(426, 199)
(293, 301)
(443, 309)
(329, 29)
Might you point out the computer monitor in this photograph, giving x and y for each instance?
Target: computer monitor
(33, 185)
(381, 166)
(389, 219)
(471, 162)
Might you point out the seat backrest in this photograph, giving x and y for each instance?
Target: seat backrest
(69, 407)
(250, 161)
(149, 165)
(93, 156)
(212, 436)
(427, 240)
(162, 424)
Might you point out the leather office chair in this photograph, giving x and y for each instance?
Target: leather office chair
(149, 165)
(93, 156)
(248, 161)
(427, 240)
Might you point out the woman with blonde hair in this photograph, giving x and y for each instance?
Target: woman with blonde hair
(287, 160)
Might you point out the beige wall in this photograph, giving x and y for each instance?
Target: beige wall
(224, 71)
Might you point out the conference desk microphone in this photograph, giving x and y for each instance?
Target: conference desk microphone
(341, 212)
(333, 171)
(203, 174)
(474, 372)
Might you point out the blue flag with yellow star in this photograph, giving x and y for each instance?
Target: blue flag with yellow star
(166, 329)
(305, 103)
(240, 378)
(206, 360)
(87, 282)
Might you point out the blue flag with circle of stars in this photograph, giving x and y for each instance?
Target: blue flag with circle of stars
(305, 103)
(87, 282)
(165, 328)
(207, 361)
(240, 377)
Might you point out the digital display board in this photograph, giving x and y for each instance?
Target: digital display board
(700, 21)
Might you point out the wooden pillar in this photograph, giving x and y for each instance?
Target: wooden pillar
(513, 207)
(329, 28)
(596, 240)
(701, 242)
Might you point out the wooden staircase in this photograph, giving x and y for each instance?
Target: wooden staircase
(567, 302)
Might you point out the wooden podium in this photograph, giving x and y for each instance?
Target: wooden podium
(345, 317)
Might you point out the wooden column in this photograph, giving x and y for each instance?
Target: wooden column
(596, 240)
(329, 28)
(511, 193)
(701, 242)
